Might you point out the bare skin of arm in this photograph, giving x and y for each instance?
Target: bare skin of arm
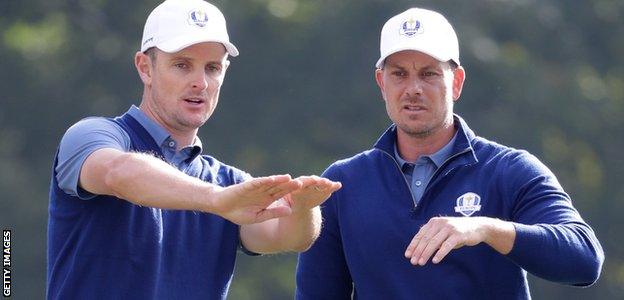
(297, 231)
(442, 234)
(148, 181)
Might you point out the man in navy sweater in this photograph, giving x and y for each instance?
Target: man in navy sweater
(433, 211)
(136, 212)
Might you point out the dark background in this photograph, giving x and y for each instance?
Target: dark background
(546, 76)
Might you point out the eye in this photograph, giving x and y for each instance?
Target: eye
(399, 73)
(430, 74)
(182, 66)
(213, 68)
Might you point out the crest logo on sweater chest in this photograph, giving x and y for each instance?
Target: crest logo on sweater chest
(468, 204)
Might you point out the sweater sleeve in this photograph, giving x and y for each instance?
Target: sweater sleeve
(552, 240)
(322, 271)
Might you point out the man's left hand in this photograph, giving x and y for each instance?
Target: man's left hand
(314, 191)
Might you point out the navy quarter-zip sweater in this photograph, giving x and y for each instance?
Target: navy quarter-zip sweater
(371, 220)
(109, 248)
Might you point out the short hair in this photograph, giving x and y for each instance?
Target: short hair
(453, 65)
(151, 52)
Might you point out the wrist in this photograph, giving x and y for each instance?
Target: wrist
(500, 235)
(210, 200)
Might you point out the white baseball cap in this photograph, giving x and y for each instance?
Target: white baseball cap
(176, 24)
(421, 30)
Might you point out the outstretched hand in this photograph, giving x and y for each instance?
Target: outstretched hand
(254, 201)
(298, 230)
(313, 192)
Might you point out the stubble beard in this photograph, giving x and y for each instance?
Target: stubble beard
(189, 123)
(427, 130)
(419, 133)
(175, 118)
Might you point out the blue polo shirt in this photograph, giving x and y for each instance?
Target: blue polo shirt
(419, 173)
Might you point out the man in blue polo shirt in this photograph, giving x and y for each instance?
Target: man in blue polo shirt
(433, 211)
(137, 212)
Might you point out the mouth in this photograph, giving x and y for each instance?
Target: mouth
(194, 100)
(414, 107)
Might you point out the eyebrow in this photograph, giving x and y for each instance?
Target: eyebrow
(426, 66)
(190, 59)
(393, 65)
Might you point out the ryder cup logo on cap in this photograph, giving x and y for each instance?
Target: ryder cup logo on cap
(468, 204)
(198, 17)
(410, 27)
(176, 24)
(420, 30)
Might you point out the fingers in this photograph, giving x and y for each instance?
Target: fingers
(437, 236)
(284, 188)
(427, 246)
(267, 182)
(271, 187)
(272, 213)
(304, 192)
(272, 183)
(279, 185)
(332, 186)
(280, 178)
(409, 252)
(319, 184)
(448, 245)
(308, 181)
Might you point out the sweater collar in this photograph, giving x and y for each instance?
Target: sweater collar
(463, 139)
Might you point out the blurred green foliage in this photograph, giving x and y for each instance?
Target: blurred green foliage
(546, 76)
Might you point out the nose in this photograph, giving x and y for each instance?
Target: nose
(414, 87)
(200, 81)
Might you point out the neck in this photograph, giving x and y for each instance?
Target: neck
(182, 137)
(412, 147)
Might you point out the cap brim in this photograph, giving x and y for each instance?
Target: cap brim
(381, 60)
(177, 44)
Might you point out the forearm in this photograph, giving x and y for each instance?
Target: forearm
(300, 230)
(566, 253)
(546, 250)
(148, 181)
(295, 232)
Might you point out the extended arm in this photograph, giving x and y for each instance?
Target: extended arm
(148, 181)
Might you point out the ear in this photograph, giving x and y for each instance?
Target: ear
(459, 76)
(143, 64)
(226, 65)
(380, 82)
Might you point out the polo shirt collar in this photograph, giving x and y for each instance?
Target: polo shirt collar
(438, 158)
(160, 135)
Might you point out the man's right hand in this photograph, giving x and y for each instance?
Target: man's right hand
(253, 201)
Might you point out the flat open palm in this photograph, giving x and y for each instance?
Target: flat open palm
(314, 191)
(251, 201)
